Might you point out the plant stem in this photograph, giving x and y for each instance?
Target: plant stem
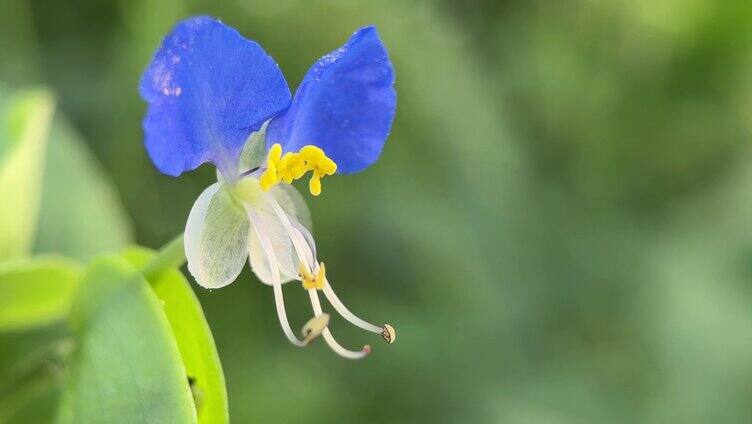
(171, 255)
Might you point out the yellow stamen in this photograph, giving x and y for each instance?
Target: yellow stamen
(327, 166)
(315, 184)
(293, 166)
(311, 282)
(284, 167)
(270, 178)
(275, 153)
(311, 154)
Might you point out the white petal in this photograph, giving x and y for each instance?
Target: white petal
(254, 150)
(216, 238)
(281, 244)
(253, 154)
(290, 199)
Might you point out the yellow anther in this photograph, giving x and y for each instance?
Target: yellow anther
(298, 168)
(311, 154)
(311, 282)
(275, 153)
(270, 178)
(288, 160)
(319, 164)
(283, 161)
(327, 166)
(292, 166)
(317, 160)
(315, 184)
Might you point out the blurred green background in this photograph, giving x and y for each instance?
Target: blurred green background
(560, 227)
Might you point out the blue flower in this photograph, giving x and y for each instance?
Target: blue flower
(214, 96)
(345, 105)
(208, 89)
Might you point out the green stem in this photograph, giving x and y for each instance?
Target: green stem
(171, 255)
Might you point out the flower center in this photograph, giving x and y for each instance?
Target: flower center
(293, 166)
(246, 190)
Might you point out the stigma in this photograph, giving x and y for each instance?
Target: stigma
(314, 280)
(292, 166)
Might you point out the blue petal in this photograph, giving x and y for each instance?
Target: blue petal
(208, 89)
(345, 105)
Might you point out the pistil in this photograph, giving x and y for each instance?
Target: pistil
(330, 340)
(303, 247)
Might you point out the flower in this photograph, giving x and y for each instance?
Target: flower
(214, 96)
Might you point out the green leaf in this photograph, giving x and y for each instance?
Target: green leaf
(25, 118)
(194, 339)
(34, 402)
(30, 373)
(81, 215)
(36, 292)
(127, 367)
